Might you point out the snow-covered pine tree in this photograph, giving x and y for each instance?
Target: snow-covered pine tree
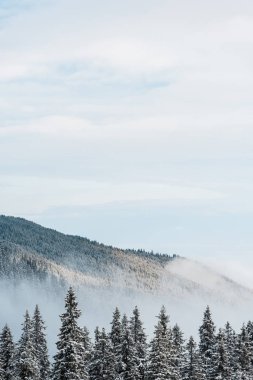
(40, 345)
(245, 351)
(223, 370)
(230, 343)
(174, 365)
(159, 363)
(7, 354)
(207, 345)
(129, 361)
(249, 328)
(87, 345)
(115, 336)
(140, 341)
(193, 368)
(96, 365)
(179, 349)
(69, 363)
(26, 365)
(102, 363)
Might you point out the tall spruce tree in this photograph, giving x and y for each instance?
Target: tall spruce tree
(140, 342)
(230, 343)
(129, 361)
(87, 345)
(26, 364)
(159, 365)
(245, 351)
(94, 365)
(179, 350)
(40, 345)
(69, 362)
(249, 328)
(102, 363)
(116, 338)
(193, 369)
(7, 354)
(223, 370)
(207, 345)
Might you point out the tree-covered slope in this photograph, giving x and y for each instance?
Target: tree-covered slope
(31, 252)
(59, 247)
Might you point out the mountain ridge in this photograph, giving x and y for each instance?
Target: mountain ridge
(33, 242)
(31, 252)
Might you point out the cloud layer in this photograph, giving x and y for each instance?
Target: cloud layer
(109, 103)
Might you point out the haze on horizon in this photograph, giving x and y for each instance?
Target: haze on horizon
(131, 123)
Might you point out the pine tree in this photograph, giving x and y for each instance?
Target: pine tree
(95, 367)
(179, 349)
(140, 342)
(7, 354)
(223, 370)
(102, 363)
(207, 345)
(159, 366)
(193, 369)
(69, 361)
(116, 338)
(129, 361)
(249, 328)
(86, 345)
(244, 351)
(230, 343)
(26, 366)
(40, 345)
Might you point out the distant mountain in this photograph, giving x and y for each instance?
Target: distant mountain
(37, 264)
(31, 252)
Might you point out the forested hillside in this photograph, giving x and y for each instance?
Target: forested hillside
(28, 249)
(31, 252)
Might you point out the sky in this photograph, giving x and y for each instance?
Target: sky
(130, 122)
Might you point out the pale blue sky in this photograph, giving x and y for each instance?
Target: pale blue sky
(130, 122)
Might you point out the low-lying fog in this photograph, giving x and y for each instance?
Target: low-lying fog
(97, 305)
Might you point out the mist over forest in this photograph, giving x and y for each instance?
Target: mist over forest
(38, 265)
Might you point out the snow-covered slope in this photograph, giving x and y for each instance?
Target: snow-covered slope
(38, 264)
(29, 251)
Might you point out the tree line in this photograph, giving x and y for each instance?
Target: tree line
(124, 353)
